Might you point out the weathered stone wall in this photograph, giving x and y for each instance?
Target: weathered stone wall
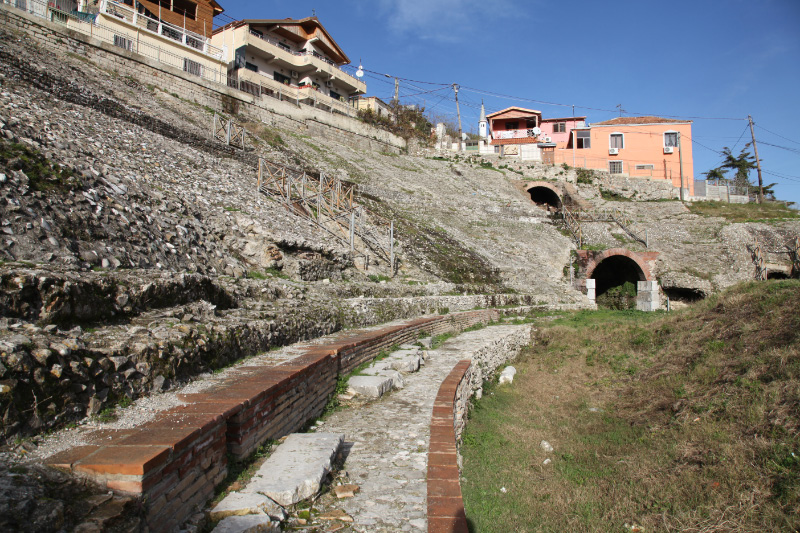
(224, 99)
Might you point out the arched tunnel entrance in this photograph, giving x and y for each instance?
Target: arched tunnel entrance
(544, 196)
(616, 278)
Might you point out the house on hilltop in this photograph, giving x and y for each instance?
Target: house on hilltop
(639, 147)
(173, 32)
(292, 59)
(521, 132)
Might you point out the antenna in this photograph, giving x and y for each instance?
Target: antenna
(621, 111)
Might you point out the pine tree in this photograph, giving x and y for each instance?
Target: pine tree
(741, 164)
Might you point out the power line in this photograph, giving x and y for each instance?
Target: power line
(777, 134)
(781, 147)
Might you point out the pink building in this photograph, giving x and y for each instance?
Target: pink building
(524, 133)
(646, 147)
(639, 147)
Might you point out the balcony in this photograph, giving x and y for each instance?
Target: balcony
(164, 29)
(259, 84)
(303, 61)
(515, 134)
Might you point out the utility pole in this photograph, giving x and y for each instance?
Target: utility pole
(396, 90)
(572, 133)
(458, 110)
(758, 162)
(680, 161)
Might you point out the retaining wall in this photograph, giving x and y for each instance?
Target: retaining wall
(174, 462)
(56, 37)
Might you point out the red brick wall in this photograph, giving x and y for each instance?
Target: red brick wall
(176, 460)
(445, 505)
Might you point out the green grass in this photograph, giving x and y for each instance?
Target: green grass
(768, 211)
(43, 174)
(679, 422)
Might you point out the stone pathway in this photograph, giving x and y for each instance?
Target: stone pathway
(388, 439)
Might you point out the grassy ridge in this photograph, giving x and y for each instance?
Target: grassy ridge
(685, 422)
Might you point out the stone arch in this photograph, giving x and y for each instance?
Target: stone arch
(543, 193)
(615, 267)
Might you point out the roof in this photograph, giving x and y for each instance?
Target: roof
(217, 8)
(520, 110)
(309, 25)
(640, 120)
(562, 119)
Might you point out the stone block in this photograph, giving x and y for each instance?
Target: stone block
(507, 375)
(591, 283)
(258, 523)
(371, 386)
(239, 504)
(296, 469)
(642, 286)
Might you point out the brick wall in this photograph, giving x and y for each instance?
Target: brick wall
(445, 505)
(175, 461)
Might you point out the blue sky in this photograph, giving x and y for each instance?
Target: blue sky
(707, 59)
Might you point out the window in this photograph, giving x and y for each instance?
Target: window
(559, 127)
(335, 95)
(283, 46)
(671, 139)
(615, 140)
(192, 67)
(615, 167)
(512, 124)
(280, 78)
(645, 167)
(249, 66)
(584, 139)
(122, 42)
(259, 34)
(185, 8)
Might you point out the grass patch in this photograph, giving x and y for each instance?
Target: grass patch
(43, 174)
(612, 196)
(745, 212)
(680, 422)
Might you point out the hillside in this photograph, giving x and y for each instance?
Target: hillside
(684, 422)
(137, 251)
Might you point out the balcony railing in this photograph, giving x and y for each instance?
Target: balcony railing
(288, 50)
(259, 84)
(165, 29)
(514, 134)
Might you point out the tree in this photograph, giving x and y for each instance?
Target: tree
(741, 164)
(716, 174)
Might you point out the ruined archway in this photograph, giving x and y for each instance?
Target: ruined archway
(615, 271)
(545, 196)
(624, 273)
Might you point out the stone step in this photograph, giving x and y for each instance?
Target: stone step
(370, 386)
(295, 471)
(255, 523)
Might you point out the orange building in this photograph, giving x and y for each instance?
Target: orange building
(646, 147)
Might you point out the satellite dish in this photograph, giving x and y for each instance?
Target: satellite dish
(360, 71)
(537, 131)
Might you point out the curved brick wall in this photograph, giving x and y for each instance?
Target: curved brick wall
(445, 506)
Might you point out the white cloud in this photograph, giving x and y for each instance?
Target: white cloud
(442, 20)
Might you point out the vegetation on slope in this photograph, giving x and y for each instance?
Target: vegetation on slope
(745, 212)
(685, 422)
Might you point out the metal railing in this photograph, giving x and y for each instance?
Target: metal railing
(159, 27)
(328, 203)
(515, 134)
(300, 53)
(60, 11)
(259, 85)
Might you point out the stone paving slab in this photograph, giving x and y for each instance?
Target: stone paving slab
(255, 523)
(296, 469)
(390, 437)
